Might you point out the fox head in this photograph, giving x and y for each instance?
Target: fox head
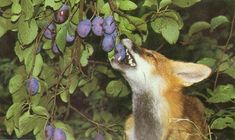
(145, 69)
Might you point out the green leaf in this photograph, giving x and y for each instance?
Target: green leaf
(197, 27)
(175, 16)
(114, 87)
(150, 3)
(231, 71)
(222, 93)
(207, 61)
(108, 136)
(171, 32)
(53, 4)
(27, 31)
(185, 3)
(100, 4)
(20, 95)
(61, 38)
(40, 135)
(164, 3)
(127, 5)
(27, 8)
(39, 125)
(37, 2)
(217, 21)
(221, 123)
(66, 128)
(84, 58)
(26, 123)
(19, 51)
(14, 18)
(37, 66)
(36, 98)
(15, 83)
(125, 91)
(5, 25)
(89, 86)
(167, 27)
(64, 95)
(73, 83)
(9, 125)
(89, 131)
(47, 44)
(106, 9)
(14, 109)
(4, 3)
(40, 110)
(16, 7)
(140, 23)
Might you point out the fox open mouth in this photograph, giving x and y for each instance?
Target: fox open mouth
(128, 60)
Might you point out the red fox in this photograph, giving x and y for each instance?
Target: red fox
(160, 110)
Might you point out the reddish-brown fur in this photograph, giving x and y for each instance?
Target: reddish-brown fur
(185, 120)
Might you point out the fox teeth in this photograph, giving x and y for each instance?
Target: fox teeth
(119, 58)
(133, 64)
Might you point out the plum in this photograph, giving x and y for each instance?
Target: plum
(70, 38)
(99, 137)
(59, 134)
(84, 27)
(120, 52)
(97, 27)
(108, 43)
(32, 85)
(49, 131)
(55, 48)
(114, 34)
(109, 25)
(62, 14)
(50, 31)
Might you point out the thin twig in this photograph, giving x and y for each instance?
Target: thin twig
(98, 125)
(224, 50)
(99, 62)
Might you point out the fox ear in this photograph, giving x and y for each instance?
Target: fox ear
(190, 73)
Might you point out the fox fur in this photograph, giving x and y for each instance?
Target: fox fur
(160, 109)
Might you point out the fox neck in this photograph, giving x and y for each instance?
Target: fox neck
(149, 107)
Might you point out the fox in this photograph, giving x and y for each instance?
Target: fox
(160, 109)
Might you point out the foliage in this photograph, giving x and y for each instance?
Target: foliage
(78, 90)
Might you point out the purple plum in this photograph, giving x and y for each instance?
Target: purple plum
(62, 14)
(109, 25)
(32, 85)
(49, 131)
(114, 34)
(120, 52)
(55, 48)
(108, 43)
(97, 26)
(59, 134)
(50, 31)
(84, 27)
(70, 38)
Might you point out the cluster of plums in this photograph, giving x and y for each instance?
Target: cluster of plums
(54, 133)
(105, 27)
(50, 31)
